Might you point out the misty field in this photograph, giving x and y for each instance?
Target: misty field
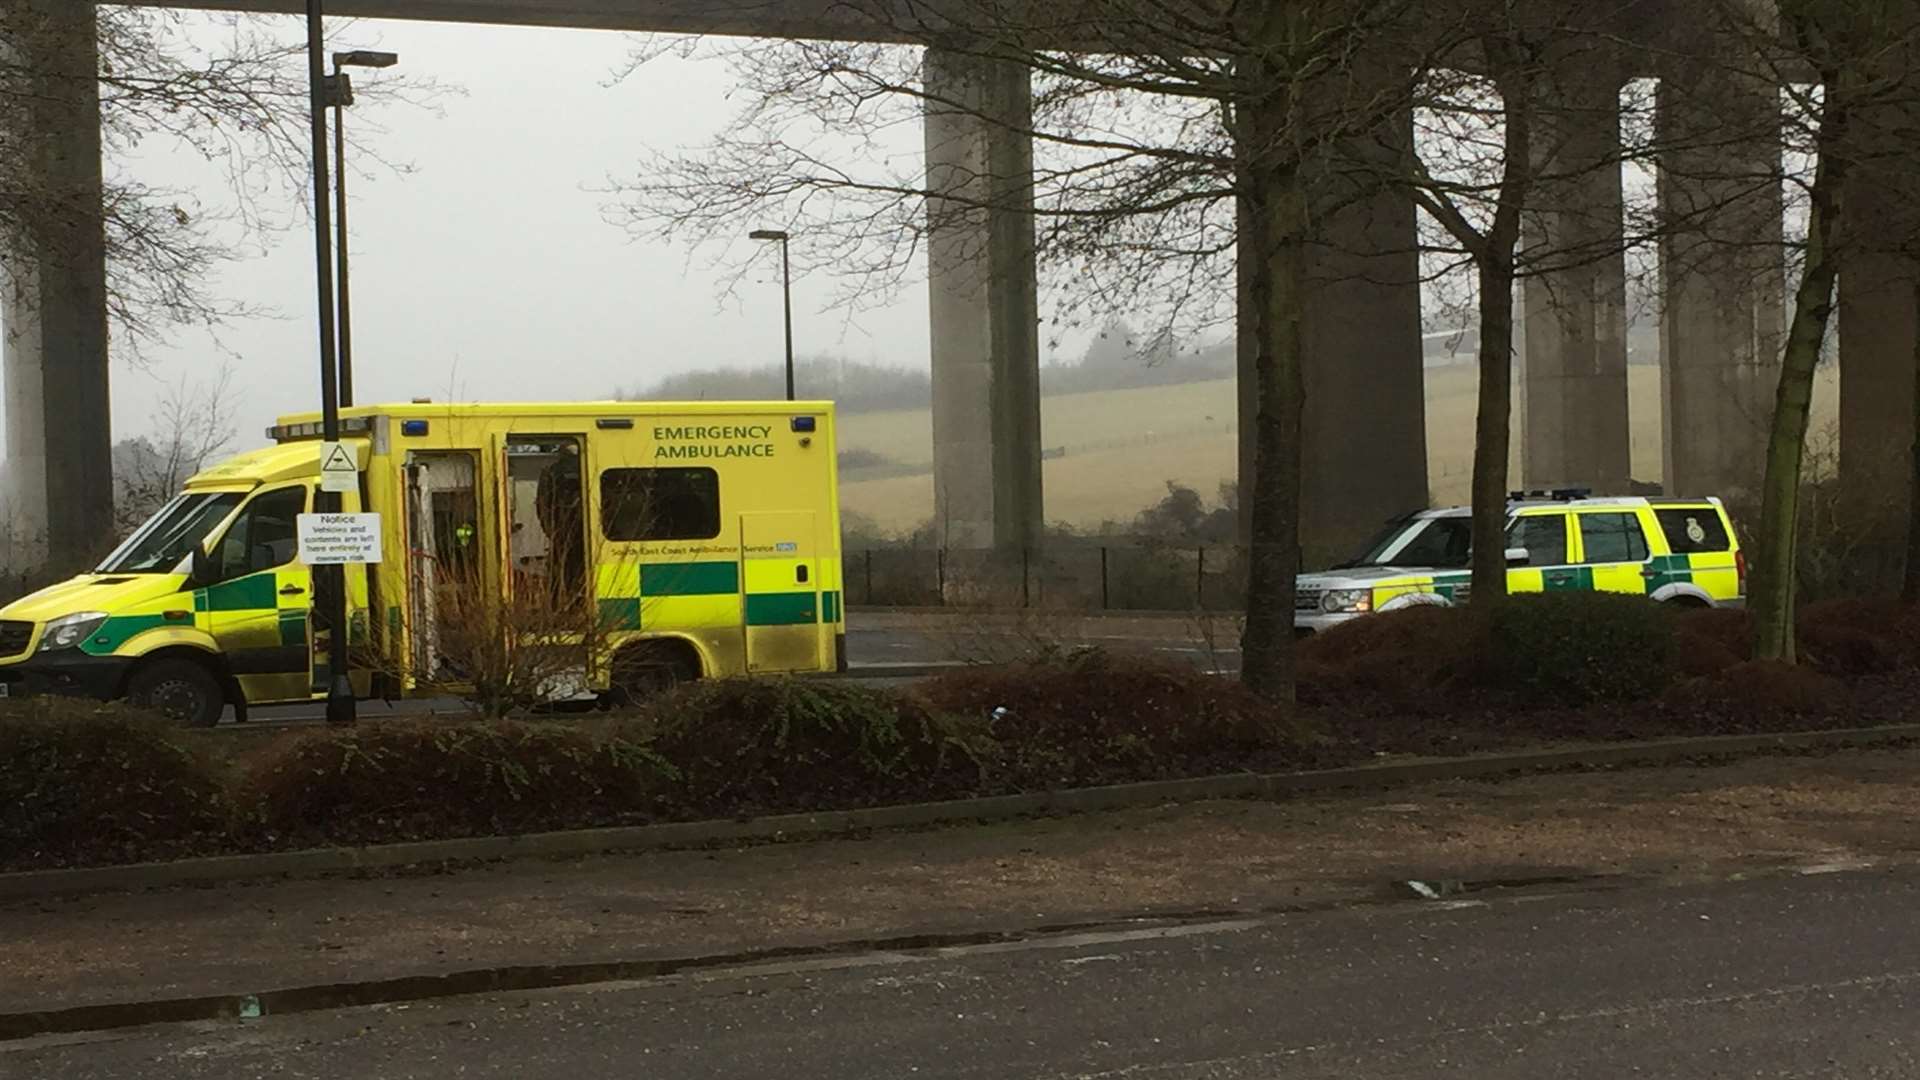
(1122, 446)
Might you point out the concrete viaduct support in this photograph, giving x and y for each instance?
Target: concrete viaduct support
(1574, 371)
(1878, 324)
(1723, 279)
(1364, 432)
(59, 502)
(985, 303)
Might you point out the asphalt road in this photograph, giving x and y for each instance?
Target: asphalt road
(1785, 976)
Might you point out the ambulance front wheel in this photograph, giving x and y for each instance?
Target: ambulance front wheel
(180, 690)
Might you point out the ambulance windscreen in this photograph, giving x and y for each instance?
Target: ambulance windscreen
(163, 543)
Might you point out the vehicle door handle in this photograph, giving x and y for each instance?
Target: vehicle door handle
(291, 590)
(1558, 578)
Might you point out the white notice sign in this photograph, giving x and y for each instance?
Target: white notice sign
(339, 471)
(327, 539)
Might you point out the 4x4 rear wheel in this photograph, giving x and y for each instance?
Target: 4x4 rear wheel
(180, 690)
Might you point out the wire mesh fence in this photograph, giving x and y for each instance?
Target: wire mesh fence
(1086, 577)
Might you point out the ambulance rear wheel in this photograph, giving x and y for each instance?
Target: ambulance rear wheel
(651, 668)
(180, 690)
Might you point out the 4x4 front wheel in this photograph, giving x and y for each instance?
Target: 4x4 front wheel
(180, 690)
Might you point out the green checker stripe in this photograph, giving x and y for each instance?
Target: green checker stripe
(118, 630)
(620, 614)
(293, 627)
(1567, 579)
(250, 593)
(785, 609)
(1669, 570)
(1453, 587)
(830, 607)
(689, 579)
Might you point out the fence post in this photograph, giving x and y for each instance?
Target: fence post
(1200, 581)
(1026, 592)
(1105, 603)
(940, 574)
(869, 576)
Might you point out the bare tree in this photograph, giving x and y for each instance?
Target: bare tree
(1169, 141)
(1847, 66)
(239, 103)
(191, 424)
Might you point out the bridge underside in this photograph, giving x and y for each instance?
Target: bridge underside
(748, 18)
(1365, 453)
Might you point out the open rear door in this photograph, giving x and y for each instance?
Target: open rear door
(780, 587)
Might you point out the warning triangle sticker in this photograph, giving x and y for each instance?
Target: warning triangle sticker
(338, 460)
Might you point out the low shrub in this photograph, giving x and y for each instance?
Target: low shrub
(1577, 648)
(85, 781)
(1753, 691)
(1851, 638)
(752, 745)
(406, 779)
(1708, 641)
(1406, 659)
(1090, 717)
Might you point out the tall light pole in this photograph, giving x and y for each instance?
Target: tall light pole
(342, 95)
(786, 291)
(330, 581)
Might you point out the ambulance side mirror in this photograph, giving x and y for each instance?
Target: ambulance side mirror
(200, 569)
(1518, 556)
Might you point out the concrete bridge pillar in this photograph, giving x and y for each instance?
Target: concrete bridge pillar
(1878, 319)
(1877, 332)
(53, 296)
(1723, 279)
(1364, 432)
(1574, 370)
(985, 303)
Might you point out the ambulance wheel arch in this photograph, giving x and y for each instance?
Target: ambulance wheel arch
(649, 665)
(188, 683)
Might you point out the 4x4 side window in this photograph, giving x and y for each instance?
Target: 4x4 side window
(1692, 529)
(1612, 538)
(1543, 535)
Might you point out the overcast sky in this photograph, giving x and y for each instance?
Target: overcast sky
(490, 272)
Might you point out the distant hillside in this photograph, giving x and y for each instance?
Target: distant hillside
(856, 386)
(867, 387)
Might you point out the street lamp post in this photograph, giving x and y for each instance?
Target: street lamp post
(330, 581)
(786, 291)
(341, 93)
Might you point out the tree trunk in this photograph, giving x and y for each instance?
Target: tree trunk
(1910, 584)
(1772, 589)
(1276, 213)
(1493, 427)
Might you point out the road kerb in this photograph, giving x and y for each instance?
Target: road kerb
(824, 824)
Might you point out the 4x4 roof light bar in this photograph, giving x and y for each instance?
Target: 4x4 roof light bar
(1552, 495)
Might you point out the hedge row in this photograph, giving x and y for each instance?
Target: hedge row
(86, 783)
(83, 783)
(1562, 650)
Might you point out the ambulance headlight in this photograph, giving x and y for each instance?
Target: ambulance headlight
(69, 630)
(1346, 601)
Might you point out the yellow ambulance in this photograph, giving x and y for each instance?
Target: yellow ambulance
(628, 543)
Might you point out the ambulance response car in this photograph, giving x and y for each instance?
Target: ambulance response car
(1679, 551)
(703, 537)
